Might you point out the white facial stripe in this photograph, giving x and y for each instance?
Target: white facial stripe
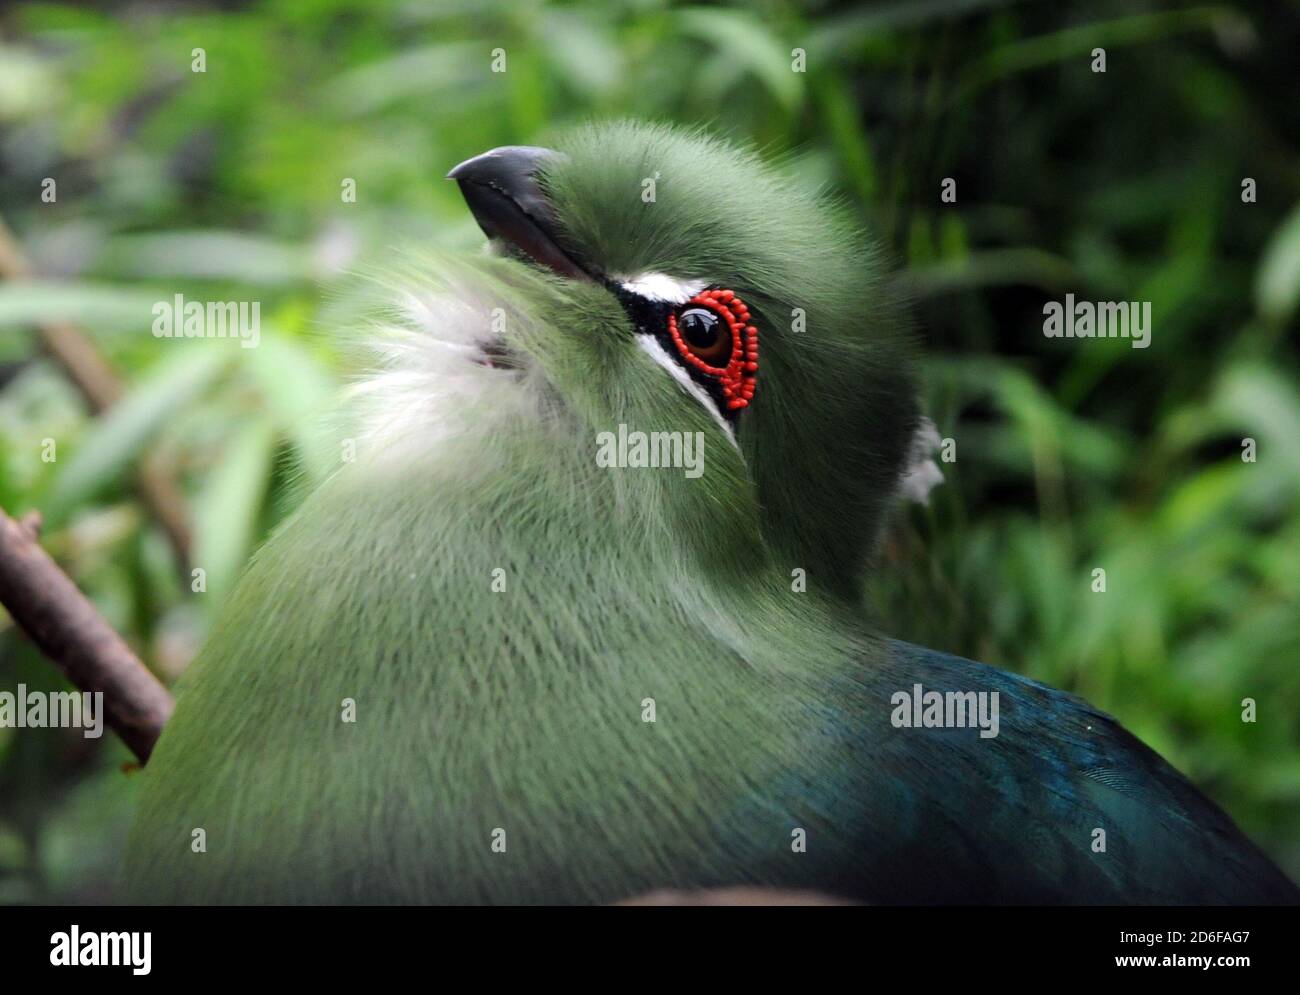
(661, 287)
(657, 352)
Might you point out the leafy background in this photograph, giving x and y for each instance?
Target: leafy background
(225, 185)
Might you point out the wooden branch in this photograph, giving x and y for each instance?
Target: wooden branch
(90, 373)
(62, 622)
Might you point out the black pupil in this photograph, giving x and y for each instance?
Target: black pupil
(699, 327)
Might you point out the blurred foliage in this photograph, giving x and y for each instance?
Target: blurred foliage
(225, 185)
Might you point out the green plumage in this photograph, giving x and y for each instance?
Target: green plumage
(522, 709)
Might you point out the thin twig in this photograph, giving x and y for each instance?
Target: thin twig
(83, 364)
(67, 628)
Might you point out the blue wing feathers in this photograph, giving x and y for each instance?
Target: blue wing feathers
(1016, 817)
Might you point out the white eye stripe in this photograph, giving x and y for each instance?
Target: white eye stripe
(659, 354)
(661, 287)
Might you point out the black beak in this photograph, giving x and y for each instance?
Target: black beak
(503, 193)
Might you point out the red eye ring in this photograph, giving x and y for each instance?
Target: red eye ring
(737, 377)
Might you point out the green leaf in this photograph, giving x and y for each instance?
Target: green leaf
(25, 83)
(418, 72)
(840, 35)
(89, 304)
(740, 36)
(991, 268)
(1261, 401)
(298, 388)
(1277, 284)
(229, 507)
(207, 255)
(1077, 41)
(116, 440)
(582, 51)
(839, 113)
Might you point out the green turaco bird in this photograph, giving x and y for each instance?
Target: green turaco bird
(579, 614)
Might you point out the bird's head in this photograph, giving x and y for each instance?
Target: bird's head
(677, 284)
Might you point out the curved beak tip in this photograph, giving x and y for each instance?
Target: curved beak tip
(502, 190)
(504, 167)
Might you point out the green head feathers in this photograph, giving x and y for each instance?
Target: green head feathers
(652, 213)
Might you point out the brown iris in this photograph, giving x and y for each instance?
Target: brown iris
(705, 334)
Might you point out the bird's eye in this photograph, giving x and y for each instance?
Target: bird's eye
(713, 335)
(701, 330)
